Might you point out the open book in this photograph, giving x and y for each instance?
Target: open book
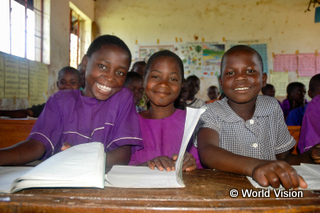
(309, 172)
(79, 166)
(144, 177)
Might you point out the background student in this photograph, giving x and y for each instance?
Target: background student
(162, 125)
(296, 92)
(180, 102)
(269, 90)
(245, 133)
(139, 67)
(134, 82)
(193, 88)
(310, 129)
(213, 94)
(296, 115)
(68, 78)
(102, 112)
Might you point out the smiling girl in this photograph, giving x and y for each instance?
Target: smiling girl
(162, 125)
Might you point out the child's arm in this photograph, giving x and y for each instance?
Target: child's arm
(263, 171)
(119, 156)
(310, 156)
(22, 153)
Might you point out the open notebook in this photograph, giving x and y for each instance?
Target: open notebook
(79, 166)
(84, 166)
(143, 177)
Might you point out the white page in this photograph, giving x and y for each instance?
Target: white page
(8, 174)
(192, 119)
(144, 177)
(79, 166)
(141, 177)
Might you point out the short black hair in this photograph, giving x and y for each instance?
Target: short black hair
(314, 84)
(69, 69)
(213, 87)
(131, 76)
(138, 63)
(165, 53)
(267, 88)
(107, 39)
(241, 48)
(192, 77)
(292, 86)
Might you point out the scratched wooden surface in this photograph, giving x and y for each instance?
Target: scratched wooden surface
(206, 190)
(13, 131)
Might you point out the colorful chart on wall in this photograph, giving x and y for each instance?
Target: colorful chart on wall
(212, 55)
(261, 46)
(146, 51)
(191, 55)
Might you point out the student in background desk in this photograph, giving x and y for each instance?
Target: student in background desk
(193, 88)
(162, 126)
(269, 90)
(180, 102)
(310, 129)
(295, 117)
(134, 82)
(68, 78)
(296, 92)
(245, 133)
(213, 94)
(103, 112)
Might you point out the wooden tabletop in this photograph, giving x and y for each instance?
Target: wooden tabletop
(206, 190)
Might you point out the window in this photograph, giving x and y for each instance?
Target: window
(22, 24)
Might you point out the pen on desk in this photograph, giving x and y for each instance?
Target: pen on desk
(45, 97)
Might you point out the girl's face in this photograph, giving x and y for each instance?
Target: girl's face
(106, 72)
(163, 81)
(298, 94)
(242, 79)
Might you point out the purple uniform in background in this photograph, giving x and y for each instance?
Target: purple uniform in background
(70, 117)
(163, 137)
(310, 129)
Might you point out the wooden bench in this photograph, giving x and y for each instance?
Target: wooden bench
(13, 131)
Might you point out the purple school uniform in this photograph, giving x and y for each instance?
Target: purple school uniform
(70, 117)
(310, 129)
(162, 137)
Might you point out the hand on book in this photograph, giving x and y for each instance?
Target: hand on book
(162, 162)
(278, 172)
(189, 162)
(315, 153)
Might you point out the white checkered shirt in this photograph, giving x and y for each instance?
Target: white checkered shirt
(262, 137)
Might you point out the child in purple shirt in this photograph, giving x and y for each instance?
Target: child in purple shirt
(310, 129)
(162, 125)
(103, 112)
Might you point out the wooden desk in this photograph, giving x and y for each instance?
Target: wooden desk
(295, 133)
(13, 131)
(206, 190)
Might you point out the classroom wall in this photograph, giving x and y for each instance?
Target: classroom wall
(56, 42)
(283, 23)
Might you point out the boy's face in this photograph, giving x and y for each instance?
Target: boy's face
(163, 82)
(68, 80)
(136, 87)
(241, 79)
(298, 94)
(193, 87)
(213, 93)
(106, 72)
